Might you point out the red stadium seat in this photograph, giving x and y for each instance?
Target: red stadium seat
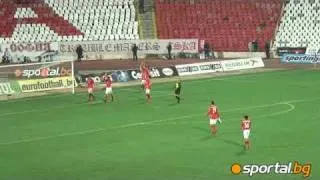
(227, 25)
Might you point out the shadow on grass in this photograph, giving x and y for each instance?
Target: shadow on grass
(202, 129)
(241, 153)
(231, 142)
(173, 104)
(206, 130)
(234, 143)
(206, 138)
(95, 102)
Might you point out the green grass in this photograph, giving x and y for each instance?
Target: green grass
(63, 137)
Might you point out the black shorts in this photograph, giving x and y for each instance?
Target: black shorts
(177, 92)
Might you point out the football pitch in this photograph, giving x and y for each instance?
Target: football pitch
(62, 137)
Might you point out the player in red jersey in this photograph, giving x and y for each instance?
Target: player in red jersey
(245, 127)
(144, 74)
(147, 86)
(214, 117)
(90, 85)
(108, 81)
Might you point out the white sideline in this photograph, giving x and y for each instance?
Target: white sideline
(72, 105)
(161, 94)
(189, 81)
(289, 103)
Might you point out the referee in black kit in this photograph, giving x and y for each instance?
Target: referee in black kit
(177, 90)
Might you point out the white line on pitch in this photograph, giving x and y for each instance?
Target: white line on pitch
(129, 88)
(140, 124)
(291, 108)
(71, 105)
(100, 102)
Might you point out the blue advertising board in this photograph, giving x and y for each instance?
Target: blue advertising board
(117, 76)
(126, 75)
(300, 59)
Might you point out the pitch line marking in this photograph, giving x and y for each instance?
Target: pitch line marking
(66, 106)
(129, 88)
(143, 123)
(291, 108)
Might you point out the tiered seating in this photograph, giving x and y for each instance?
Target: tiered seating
(228, 25)
(25, 13)
(64, 20)
(300, 24)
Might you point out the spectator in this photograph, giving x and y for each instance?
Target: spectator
(26, 59)
(6, 56)
(169, 48)
(135, 52)
(212, 53)
(79, 52)
(250, 47)
(206, 50)
(255, 45)
(267, 49)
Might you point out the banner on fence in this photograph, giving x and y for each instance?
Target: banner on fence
(291, 50)
(33, 72)
(126, 75)
(29, 52)
(155, 72)
(239, 64)
(9, 87)
(45, 84)
(300, 59)
(313, 50)
(117, 76)
(153, 46)
(198, 68)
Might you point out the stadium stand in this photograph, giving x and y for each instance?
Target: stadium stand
(64, 20)
(300, 24)
(225, 25)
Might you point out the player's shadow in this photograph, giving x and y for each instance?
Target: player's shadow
(241, 153)
(173, 104)
(95, 103)
(227, 141)
(201, 129)
(204, 130)
(237, 144)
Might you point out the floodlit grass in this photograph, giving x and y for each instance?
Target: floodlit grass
(64, 137)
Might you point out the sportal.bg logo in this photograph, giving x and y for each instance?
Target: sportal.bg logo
(43, 72)
(277, 168)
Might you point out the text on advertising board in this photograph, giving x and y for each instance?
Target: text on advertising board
(300, 59)
(198, 68)
(151, 46)
(240, 64)
(153, 73)
(43, 72)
